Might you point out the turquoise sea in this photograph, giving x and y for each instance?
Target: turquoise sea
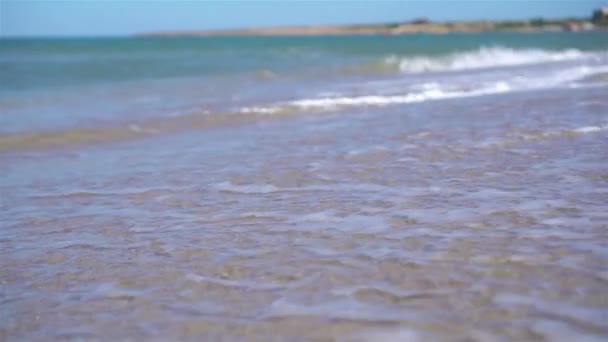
(59, 84)
(351, 188)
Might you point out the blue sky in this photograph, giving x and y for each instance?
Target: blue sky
(120, 17)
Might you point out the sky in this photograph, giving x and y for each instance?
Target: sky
(125, 17)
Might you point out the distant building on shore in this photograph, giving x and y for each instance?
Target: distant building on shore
(420, 21)
(600, 16)
(571, 26)
(574, 26)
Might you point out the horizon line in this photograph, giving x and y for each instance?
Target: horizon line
(241, 28)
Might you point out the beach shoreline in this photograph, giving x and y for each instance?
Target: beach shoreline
(412, 27)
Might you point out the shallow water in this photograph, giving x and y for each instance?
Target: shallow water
(472, 218)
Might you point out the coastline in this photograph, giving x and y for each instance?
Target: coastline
(328, 187)
(414, 27)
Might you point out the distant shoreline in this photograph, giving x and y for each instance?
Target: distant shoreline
(412, 27)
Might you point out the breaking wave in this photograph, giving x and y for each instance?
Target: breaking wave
(488, 57)
(577, 69)
(432, 92)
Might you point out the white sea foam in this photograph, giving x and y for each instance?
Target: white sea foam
(321, 216)
(259, 110)
(578, 130)
(366, 151)
(246, 188)
(269, 188)
(486, 57)
(549, 134)
(256, 286)
(139, 129)
(564, 76)
(431, 93)
(591, 129)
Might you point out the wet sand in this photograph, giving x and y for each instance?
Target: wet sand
(446, 220)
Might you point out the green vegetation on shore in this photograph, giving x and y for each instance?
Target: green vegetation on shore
(599, 19)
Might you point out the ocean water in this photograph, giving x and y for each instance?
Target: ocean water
(353, 188)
